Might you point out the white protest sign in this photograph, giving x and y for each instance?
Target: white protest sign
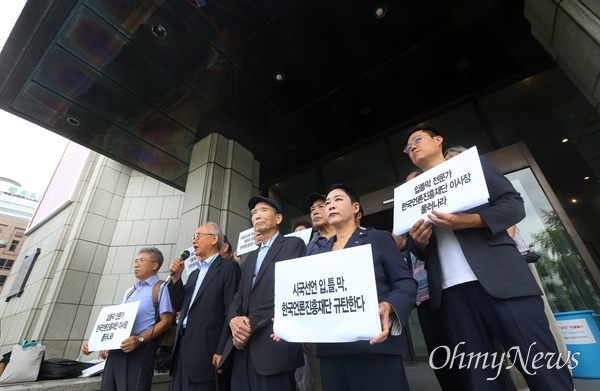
(453, 186)
(246, 242)
(576, 331)
(305, 234)
(191, 263)
(329, 297)
(113, 326)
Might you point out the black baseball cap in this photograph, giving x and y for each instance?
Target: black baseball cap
(225, 240)
(256, 199)
(310, 200)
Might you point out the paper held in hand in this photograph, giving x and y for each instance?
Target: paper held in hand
(191, 263)
(304, 234)
(454, 186)
(113, 326)
(329, 297)
(246, 242)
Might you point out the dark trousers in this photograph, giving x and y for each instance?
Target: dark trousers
(359, 372)
(473, 318)
(433, 332)
(181, 380)
(245, 378)
(131, 371)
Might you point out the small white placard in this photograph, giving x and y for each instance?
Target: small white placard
(305, 234)
(576, 331)
(453, 186)
(329, 297)
(191, 263)
(246, 242)
(113, 326)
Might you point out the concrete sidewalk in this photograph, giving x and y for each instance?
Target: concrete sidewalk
(421, 378)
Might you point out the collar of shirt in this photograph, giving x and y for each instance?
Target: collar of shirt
(150, 281)
(208, 261)
(269, 242)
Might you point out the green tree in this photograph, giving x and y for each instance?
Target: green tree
(565, 278)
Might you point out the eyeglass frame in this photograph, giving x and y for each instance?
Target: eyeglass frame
(197, 236)
(140, 260)
(415, 141)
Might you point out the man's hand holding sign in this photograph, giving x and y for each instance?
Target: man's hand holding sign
(439, 196)
(474, 270)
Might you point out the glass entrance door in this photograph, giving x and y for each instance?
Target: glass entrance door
(567, 282)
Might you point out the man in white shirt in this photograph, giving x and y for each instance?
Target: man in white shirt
(479, 281)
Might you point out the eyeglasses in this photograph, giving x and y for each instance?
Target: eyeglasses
(197, 236)
(140, 260)
(414, 142)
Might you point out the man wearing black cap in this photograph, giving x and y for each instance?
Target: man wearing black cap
(316, 204)
(226, 250)
(258, 362)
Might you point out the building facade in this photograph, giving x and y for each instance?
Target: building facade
(87, 248)
(17, 206)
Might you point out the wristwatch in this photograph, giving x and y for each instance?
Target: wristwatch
(141, 339)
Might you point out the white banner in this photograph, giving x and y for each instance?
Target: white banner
(453, 186)
(113, 326)
(246, 242)
(191, 263)
(329, 297)
(305, 234)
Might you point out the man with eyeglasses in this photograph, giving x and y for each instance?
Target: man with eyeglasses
(132, 367)
(480, 283)
(202, 330)
(258, 362)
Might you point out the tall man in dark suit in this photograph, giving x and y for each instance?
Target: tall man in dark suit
(480, 282)
(202, 331)
(258, 362)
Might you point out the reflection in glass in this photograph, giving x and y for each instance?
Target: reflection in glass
(64, 74)
(98, 44)
(166, 134)
(567, 283)
(55, 111)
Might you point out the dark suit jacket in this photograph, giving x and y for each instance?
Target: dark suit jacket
(491, 252)
(207, 327)
(395, 284)
(269, 357)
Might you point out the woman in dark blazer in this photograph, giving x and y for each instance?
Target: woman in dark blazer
(375, 364)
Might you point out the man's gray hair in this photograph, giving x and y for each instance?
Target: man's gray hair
(215, 230)
(456, 148)
(156, 255)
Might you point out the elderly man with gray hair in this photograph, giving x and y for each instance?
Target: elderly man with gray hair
(203, 301)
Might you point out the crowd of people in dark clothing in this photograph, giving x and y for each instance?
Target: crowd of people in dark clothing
(473, 291)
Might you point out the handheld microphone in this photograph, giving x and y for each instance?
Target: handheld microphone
(182, 257)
